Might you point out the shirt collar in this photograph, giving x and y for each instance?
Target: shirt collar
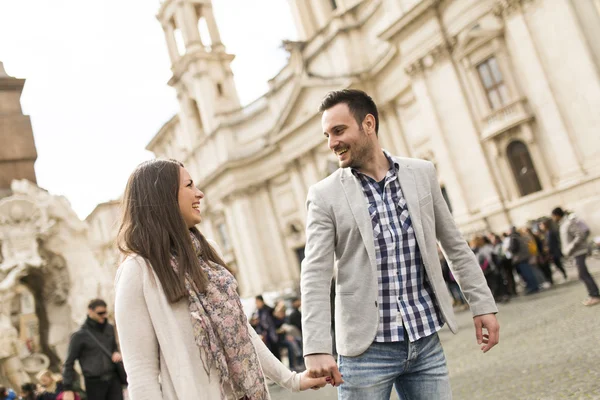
(393, 166)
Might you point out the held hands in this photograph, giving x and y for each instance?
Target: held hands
(306, 382)
(492, 337)
(323, 366)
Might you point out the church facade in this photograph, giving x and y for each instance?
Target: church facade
(502, 95)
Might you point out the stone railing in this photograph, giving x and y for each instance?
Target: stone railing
(505, 118)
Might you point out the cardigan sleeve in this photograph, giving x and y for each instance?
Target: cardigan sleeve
(272, 367)
(139, 345)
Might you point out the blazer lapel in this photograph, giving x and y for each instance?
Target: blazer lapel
(360, 211)
(409, 189)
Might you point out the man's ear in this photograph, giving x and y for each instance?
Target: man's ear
(368, 124)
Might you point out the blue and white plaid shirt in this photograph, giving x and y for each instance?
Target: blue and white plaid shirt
(405, 295)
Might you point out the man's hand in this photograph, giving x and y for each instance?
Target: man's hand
(323, 365)
(492, 337)
(68, 395)
(116, 357)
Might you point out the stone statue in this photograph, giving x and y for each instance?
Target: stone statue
(44, 245)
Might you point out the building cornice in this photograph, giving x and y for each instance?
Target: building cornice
(163, 131)
(407, 19)
(436, 54)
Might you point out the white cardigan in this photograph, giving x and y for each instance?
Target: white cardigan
(160, 355)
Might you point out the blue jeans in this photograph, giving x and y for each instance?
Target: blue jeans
(418, 370)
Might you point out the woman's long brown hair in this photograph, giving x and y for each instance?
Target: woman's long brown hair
(152, 226)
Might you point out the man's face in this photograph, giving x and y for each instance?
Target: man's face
(296, 304)
(345, 137)
(98, 314)
(259, 304)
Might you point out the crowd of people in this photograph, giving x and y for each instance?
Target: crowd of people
(49, 387)
(522, 261)
(280, 331)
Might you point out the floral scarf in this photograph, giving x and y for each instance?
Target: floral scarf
(221, 332)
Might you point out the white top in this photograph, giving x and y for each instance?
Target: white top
(160, 355)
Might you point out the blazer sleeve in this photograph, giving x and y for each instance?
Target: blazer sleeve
(139, 345)
(315, 277)
(461, 259)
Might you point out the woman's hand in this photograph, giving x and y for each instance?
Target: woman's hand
(306, 382)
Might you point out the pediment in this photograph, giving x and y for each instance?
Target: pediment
(302, 105)
(477, 35)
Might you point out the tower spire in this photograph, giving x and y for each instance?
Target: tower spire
(201, 67)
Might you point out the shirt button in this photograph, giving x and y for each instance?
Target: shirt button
(375, 303)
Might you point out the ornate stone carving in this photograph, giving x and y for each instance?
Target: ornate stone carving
(507, 7)
(430, 59)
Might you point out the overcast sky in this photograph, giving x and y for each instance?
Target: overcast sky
(97, 75)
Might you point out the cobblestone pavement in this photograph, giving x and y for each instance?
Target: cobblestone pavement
(549, 350)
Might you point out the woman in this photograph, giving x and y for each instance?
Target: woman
(51, 385)
(182, 329)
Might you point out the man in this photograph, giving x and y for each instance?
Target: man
(552, 241)
(295, 317)
(379, 216)
(266, 326)
(573, 235)
(99, 371)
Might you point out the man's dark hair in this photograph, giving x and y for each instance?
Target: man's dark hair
(3, 391)
(359, 103)
(259, 297)
(96, 303)
(559, 212)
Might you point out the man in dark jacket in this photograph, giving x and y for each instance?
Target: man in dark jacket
(99, 371)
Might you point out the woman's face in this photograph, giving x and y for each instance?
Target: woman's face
(189, 197)
(45, 380)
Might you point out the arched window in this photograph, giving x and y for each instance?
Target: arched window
(522, 168)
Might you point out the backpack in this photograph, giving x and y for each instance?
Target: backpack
(532, 247)
(583, 227)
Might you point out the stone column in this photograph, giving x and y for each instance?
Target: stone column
(171, 43)
(446, 165)
(213, 29)
(303, 19)
(187, 117)
(396, 133)
(204, 90)
(281, 272)
(185, 15)
(566, 160)
(309, 171)
(242, 226)
(299, 188)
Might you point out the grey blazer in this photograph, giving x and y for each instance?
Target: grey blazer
(339, 231)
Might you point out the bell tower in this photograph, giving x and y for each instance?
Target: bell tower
(17, 147)
(201, 67)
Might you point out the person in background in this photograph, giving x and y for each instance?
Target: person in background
(88, 345)
(268, 328)
(28, 391)
(51, 385)
(521, 256)
(552, 245)
(295, 317)
(508, 264)
(573, 235)
(7, 394)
